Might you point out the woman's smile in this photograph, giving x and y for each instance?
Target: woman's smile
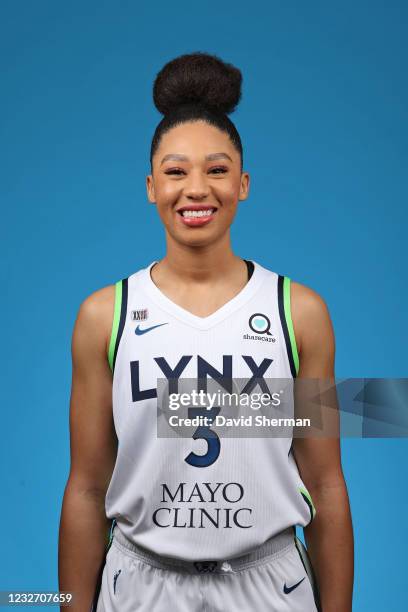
(196, 215)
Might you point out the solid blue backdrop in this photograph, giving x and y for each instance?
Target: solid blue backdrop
(323, 120)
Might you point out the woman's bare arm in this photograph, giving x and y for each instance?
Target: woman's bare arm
(329, 537)
(83, 523)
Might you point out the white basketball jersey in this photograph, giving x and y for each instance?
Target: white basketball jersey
(204, 496)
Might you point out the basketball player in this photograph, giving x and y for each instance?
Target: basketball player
(199, 522)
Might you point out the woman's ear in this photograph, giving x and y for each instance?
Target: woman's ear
(244, 187)
(150, 189)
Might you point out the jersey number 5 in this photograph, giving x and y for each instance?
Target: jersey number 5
(204, 432)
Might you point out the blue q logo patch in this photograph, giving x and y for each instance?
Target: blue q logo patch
(259, 323)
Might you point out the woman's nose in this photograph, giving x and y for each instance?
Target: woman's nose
(196, 185)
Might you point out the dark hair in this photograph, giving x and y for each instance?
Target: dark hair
(197, 86)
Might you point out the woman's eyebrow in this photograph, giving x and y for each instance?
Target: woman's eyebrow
(179, 157)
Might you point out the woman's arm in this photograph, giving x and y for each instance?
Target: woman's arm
(329, 537)
(83, 524)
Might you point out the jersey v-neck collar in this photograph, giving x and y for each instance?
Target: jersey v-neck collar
(188, 317)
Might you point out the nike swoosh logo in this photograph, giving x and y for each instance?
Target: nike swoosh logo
(287, 590)
(140, 332)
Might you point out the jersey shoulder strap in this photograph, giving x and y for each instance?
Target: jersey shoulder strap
(287, 323)
(119, 318)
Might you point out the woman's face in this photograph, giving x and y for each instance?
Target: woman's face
(196, 167)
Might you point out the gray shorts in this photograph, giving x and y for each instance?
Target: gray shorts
(276, 577)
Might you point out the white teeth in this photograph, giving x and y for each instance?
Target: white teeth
(197, 213)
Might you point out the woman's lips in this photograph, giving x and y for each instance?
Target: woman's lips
(196, 221)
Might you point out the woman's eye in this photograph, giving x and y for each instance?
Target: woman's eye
(178, 171)
(221, 170)
(174, 171)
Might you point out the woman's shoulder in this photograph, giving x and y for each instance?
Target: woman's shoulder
(306, 298)
(310, 314)
(97, 310)
(95, 315)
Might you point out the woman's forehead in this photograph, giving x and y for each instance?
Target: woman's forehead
(186, 132)
(196, 139)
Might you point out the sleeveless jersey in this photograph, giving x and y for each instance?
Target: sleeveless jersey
(204, 496)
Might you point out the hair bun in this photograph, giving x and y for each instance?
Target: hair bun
(198, 79)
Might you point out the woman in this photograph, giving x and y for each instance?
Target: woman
(199, 521)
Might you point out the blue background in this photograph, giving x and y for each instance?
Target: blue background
(323, 120)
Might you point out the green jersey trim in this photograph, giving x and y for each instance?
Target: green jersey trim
(115, 324)
(308, 499)
(289, 322)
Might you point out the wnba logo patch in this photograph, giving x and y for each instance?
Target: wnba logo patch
(139, 315)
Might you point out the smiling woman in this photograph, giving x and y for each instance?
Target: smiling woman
(199, 188)
(187, 317)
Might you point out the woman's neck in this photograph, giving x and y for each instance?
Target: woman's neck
(200, 264)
